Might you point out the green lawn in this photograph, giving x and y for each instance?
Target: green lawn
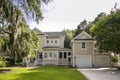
(43, 73)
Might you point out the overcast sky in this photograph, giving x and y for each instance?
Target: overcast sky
(67, 14)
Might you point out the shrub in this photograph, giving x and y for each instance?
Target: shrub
(2, 63)
(114, 59)
(10, 61)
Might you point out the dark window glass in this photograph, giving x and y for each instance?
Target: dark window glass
(65, 55)
(69, 53)
(69, 59)
(83, 45)
(47, 41)
(40, 56)
(60, 55)
(55, 41)
(51, 41)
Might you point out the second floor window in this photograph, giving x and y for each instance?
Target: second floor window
(51, 41)
(47, 41)
(83, 45)
(56, 41)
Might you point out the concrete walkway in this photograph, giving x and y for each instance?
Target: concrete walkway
(101, 73)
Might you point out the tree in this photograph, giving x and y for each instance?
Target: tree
(96, 20)
(81, 27)
(12, 17)
(106, 31)
(26, 43)
(68, 38)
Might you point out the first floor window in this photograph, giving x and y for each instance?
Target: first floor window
(65, 55)
(69, 53)
(40, 56)
(50, 55)
(45, 55)
(55, 55)
(60, 55)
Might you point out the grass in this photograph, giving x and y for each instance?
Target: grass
(42, 73)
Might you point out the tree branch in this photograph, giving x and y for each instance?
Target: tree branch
(5, 31)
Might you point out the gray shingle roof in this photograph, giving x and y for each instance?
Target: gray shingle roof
(54, 34)
(37, 31)
(48, 34)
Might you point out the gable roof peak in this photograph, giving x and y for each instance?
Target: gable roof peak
(83, 36)
(37, 31)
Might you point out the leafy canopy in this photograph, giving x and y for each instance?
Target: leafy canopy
(106, 31)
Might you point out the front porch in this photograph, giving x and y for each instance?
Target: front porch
(54, 57)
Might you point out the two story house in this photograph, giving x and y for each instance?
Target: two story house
(53, 51)
(81, 54)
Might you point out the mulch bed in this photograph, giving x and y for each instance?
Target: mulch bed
(5, 70)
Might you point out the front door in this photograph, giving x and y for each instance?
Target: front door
(69, 58)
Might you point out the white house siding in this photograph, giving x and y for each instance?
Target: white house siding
(42, 40)
(62, 38)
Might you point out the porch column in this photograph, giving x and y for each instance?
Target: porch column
(36, 61)
(57, 58)
(43, 58)
(73, 55)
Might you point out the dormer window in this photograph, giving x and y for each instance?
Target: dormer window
(83, 46)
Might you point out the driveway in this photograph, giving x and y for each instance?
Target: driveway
(101, 73)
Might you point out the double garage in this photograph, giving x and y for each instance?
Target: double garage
(87, 60)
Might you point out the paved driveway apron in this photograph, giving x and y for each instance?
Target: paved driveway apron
(101, 73)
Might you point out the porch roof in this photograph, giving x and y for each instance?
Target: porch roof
(57, 48)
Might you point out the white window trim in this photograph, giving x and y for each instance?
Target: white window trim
(63, 55)
(48, 55)
(52, 42)
(85, 46)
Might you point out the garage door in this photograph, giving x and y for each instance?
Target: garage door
(102, 60)
(83, 61)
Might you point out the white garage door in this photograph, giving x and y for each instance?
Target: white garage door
(83, 61)
(102, 60)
